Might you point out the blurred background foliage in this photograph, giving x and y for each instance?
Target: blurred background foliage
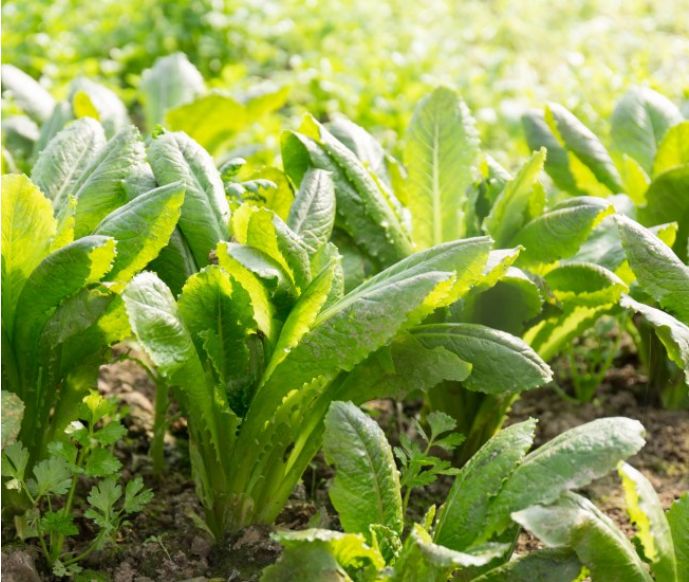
(370, 60)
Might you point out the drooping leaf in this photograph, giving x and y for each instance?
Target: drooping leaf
(171, 81)
(572, 459)
(204, 221)
(673, 334)
(584, 284)
(463, 516)
(600, 546)
(559, 232)
(500, 362)
(658, 270)
(441, 149)
(366, 489)
(640, 121)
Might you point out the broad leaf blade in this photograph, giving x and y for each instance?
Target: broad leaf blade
(366, 489)
(441, 149)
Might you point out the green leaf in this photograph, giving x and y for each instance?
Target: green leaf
(105, 104)
(102, 463)
(52, 477)
(175, 262)
(640, 121)
(462, 518)
(583, 147)
(440, 423)
(652, 528)
(666, 201)
(28, 94)
(366, 489)
(110, 433)
(584, 284)
(59, 118)
(500, 362)
(176, 157)
(575, 522)
(441, 148)
(64, 161)
(15, 459)
(315, 555)
(363, 144)
(58, 523)
(421, 559)
(171, 81)
(673, 334)
(100, 189)
(658, 270)
(560, 232)
(312, 215)
(141, 228)
(210, 120)
(678, 518)
(545, 565)
(511, 209)
(102, 499)
(135, 496)
(571, 460)
(673, 150)
(28, 227)
(12, 414)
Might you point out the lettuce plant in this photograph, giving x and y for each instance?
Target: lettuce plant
(259, 344)
(472, 535)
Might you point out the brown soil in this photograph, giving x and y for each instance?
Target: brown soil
(165, 542)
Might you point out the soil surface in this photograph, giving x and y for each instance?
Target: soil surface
(166, 543)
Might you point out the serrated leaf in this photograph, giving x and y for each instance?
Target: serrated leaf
(52, 477)
(28, 227)
(584, 284)
(110, 433)
(366, 489)
(135, 496)
(441, 149)
(102, 499)
(15, 459)
(575, 522)
(462, 517)
(102, 463)
(571, 460)
(640, 121)
(57, 523)
(440, 423)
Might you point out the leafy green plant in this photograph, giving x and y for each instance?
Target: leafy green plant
(51, 486)
(65, 259)
(472, 536)
(660, 546)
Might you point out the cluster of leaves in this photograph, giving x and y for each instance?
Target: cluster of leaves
(50, 486)
(473, 534)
